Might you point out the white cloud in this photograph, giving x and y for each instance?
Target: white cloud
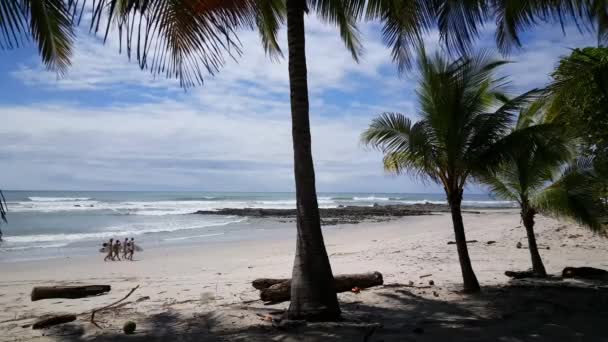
(234, 132)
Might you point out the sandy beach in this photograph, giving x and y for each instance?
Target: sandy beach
(205, 293)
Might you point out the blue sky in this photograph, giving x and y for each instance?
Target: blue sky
(109, 126)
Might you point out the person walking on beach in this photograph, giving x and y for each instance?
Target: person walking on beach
(116, 249)
(131, 249)
(125, 249)
(109, 249)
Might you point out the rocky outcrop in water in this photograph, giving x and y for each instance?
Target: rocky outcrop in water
(332, 216)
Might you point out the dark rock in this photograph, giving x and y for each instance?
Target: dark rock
(518, 245)
(490, 242)
(431, 282)
(129, 327)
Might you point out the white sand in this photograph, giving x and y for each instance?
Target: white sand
(211, 283)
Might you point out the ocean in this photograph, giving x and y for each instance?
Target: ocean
(55, 224)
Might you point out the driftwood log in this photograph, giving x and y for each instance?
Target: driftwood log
(71, 292)
(279, 290)
(53, 320)
(585, 273)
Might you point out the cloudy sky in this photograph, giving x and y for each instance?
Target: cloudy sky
(109, 126)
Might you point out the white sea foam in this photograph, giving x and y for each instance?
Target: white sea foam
(57, 199)
(109, 233)
(20, 248)
(370, 198)
(180, 207)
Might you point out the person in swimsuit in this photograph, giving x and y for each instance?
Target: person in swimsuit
(125, 249)
(116, 250)
(110, 251)
(131, 249)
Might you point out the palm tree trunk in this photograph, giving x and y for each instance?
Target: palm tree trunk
(527, 216)
(313, 296)
(468, 275)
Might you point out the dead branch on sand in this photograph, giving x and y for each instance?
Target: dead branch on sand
(110, 306)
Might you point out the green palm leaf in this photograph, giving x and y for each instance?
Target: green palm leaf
(49, 23)
(573, 196)
(457, 123)
(343, 14)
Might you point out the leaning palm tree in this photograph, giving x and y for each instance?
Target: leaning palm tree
(186, 38)
(457, 125)
(532, 174)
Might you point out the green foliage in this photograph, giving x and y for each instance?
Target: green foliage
(579, 94)
(539, 171)
(579, 101)
(459, 121)
(573, 196)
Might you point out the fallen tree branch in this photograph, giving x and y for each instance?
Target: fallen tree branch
(468, 241)
(53, 320)
(109, 306)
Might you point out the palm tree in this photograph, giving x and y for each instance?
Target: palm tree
(185, 38)
(529, 174)
(449, 142)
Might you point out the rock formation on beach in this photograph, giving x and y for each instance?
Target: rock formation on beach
(340, 215)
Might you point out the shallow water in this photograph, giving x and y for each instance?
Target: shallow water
(49, 224)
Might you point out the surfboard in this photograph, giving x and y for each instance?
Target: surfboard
(105, 248)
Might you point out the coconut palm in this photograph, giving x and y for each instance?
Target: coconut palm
(531, 173)
(450, 141)
(186, 38)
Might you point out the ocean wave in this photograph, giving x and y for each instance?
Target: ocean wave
(57, 199)
(28, 239)
(370, 198)
(22, 248)
(173, 207)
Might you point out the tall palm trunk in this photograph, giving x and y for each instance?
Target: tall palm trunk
(313, 296)
(468, 275)
(527, 216)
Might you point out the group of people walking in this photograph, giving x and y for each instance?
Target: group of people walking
(115, 247)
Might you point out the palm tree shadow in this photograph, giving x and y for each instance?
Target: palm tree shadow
(524, 312)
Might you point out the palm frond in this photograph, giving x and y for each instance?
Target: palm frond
(407, 147)
(344, 14)
(503, 183)
(514, 16)
(270, 17)
(49, 23)
(459, 23)
(184, 39)
(404, 25)
(573, 196)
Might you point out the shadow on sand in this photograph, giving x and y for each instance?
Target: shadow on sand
(518, 312)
